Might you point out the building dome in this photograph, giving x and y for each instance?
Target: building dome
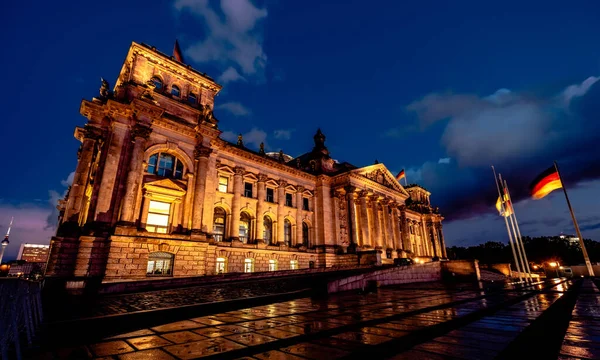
(275, 155)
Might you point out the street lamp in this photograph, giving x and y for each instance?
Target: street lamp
(554, 265)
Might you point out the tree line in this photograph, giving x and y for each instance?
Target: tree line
(539, 250)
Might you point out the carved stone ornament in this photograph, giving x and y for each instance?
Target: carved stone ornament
(240, 141)
(261, 149)
(343, 210)
(239, 170)
(202, 151)
(379, 177)
(90, 132)
(140, 131)
(300, 188)
(282, 183)
(262, 177)
(207, 116)
(363, 194)
(104, 89)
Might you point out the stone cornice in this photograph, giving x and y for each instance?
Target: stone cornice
(176, 68)
(172, 125)
(262, 160)
(373, 185)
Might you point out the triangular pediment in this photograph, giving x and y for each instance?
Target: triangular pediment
(165, 184)
(381, 175)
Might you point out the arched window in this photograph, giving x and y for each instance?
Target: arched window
(287, 232)
(267, 234)
(166, 165)
(219, 224)
(175, 91)
(192, 99)
(160, 264)
(245, 221)
(305, 234)
(158, 84)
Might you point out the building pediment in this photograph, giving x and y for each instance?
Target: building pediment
(381, 175)
(164, 186)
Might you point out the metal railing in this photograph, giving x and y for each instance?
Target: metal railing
(20, 314)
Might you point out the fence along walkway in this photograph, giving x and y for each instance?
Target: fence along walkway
(20, 314)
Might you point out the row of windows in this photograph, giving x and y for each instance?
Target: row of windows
(175, 91)
(221, 265)
(270, 196)
(161, 264)
(245, 229)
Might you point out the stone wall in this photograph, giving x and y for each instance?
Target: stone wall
(502, 268)
(461, 269)
(391, 276)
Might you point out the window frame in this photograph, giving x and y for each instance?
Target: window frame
(218, 262)
(170, 260)
(287, 232)
(148, 225)
(190, 96)
(226, 184)
(269, 239)
(273, 265)
(247, 238)
(290, 197)
(272, 197)
(305, 204)
(293, 264)
(251, 190)
(305, 235)
(154, 167)
(219, 236)
(248, 265)
(175, 88)
(160, 81)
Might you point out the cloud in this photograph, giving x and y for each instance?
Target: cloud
(400, 132)
(234, 33)
(444, 160)
(235, 108)
(252, 138)
(283, 134)
(230, 75)
(69, 180)
(521, 134)
(30, 226)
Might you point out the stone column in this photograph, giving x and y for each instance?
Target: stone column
(405, 232)
(388, 235)
(260, 207)
(201, 154)
(280, 210)
(396, 227)
(353, 236)
(187, 207)
(431, 241)
(299, 211)
(442, 241)
(89, 135)
(377, 231)
(364, 219)
(139, 134)
(235, 205)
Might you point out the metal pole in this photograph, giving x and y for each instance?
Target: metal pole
(507, 228)
(586, 258)
(519, 237)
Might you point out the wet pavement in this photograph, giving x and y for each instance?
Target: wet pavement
(424, 321)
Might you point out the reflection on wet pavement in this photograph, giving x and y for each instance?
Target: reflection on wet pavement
(582, 339)
(342, 324)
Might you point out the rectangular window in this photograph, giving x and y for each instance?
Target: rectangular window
(249, 265)
(221, 268)
(248, 189)
(305, 204)
(270, 195)
(293, 264)
(288, 199)
(223, 180)
(272, 265)
(158, 217)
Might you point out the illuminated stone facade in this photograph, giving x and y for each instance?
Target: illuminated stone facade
(157, 192)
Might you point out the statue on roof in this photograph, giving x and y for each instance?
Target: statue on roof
(281, 158)
(261, 149)
(207, 115)
(104, 89)
(240, 141)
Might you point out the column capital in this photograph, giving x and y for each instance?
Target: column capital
(363, 194)
(282, 183)
(92, 133)
(201, 151)
(300, 189)
(140, 131)
(350, 188)
(262, 177)
(385, 201)
(239, 170)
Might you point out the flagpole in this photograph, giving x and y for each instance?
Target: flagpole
(507, 228)
(517, 232)
(586, 258)
(512, 224)
(514, 215)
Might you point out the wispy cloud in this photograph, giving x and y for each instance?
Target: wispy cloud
(234, 35)
(235, 108)
(283, 134)
(444, 160)
(252, 138)
(230, 75)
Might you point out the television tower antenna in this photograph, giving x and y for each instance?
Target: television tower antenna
(5, 242)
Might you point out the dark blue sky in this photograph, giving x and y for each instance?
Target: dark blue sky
(406, 83)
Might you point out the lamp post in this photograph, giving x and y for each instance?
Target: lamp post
(554, 265)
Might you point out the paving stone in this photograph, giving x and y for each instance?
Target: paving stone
(179, 325)
(362, 337)
(277, 333)
(251, 338)
(111, 348)
(203, 348)
(148, 342)
(132, 334)
(276, 355)
(180, 337)
(314, 351)
(212, 332)
(153, 354)
(236, 329)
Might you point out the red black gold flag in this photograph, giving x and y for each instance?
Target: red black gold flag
(177, 52)
(545, 183)
(400, 175)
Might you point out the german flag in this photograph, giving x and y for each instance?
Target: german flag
(507, 206)
(401, 175)
(545, 183)
(177, 52)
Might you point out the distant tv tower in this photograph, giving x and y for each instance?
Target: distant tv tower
(5, 242)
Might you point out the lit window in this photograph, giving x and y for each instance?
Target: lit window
(248, 189)
(287, 232)
(267, 234)
(158, 217)
(270, 195)
(219, 224)
(244, 227)
(175, 90)
(157, 83)
(160, 264)
(305, 234)
(165, 165)
(305, 204)
(249, 265)
(293, 264)
(272, 265)
(223, 180)
(221, 266)
(192, 98)
(288, 199)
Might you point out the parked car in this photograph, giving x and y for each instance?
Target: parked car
(403, 262)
